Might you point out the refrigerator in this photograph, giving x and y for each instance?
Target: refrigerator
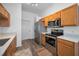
(39, 28)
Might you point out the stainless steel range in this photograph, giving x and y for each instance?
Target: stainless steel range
(51, 40)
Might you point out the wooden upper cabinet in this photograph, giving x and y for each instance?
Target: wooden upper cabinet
(4, 17)
(49, 17)
(3, 11)
(69, 16)
(55, 15)
(52, 17)
(46, 21)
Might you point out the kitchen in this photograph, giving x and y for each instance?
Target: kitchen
(55, 29)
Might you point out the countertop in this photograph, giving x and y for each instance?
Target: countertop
(73, 38)
(6, 45)
(70, 37)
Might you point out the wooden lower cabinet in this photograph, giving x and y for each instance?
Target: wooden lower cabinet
(65, 48)
(43, 39)
(11, 49)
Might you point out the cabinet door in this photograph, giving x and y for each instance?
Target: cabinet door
(46, 21)
(64, 49)
(69, 16)
(11, 49)
(55, 15)
(43, 39)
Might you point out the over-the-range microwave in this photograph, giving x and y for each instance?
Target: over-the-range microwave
(56, 23)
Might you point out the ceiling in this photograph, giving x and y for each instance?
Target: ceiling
(39, 8)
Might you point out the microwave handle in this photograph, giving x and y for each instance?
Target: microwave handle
(55, 22)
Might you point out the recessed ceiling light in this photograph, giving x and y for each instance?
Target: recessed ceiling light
(36, 4)
(33, 4)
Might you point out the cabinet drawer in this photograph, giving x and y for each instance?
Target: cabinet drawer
(69, 43)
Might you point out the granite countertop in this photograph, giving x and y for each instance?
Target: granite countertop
(70, 37)
(6, 45)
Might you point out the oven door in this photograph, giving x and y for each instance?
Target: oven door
(51, 45)
(51, 41)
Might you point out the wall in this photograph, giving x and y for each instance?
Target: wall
(28, 20)
(15, 20)
(55, 7)
(59, 6)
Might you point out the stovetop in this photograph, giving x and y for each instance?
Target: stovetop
(55, 34)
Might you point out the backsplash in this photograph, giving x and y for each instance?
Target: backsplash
(68, 30)
(71, 30)
(49, 29)
(6, 30)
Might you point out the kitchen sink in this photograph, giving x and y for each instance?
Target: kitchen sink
(3, 41)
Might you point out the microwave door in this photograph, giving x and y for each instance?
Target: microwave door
(51, 24)
(57, 23)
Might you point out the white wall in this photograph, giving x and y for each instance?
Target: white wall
(28, 20)
(15, 20)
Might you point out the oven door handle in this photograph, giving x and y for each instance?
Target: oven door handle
(51, 37)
